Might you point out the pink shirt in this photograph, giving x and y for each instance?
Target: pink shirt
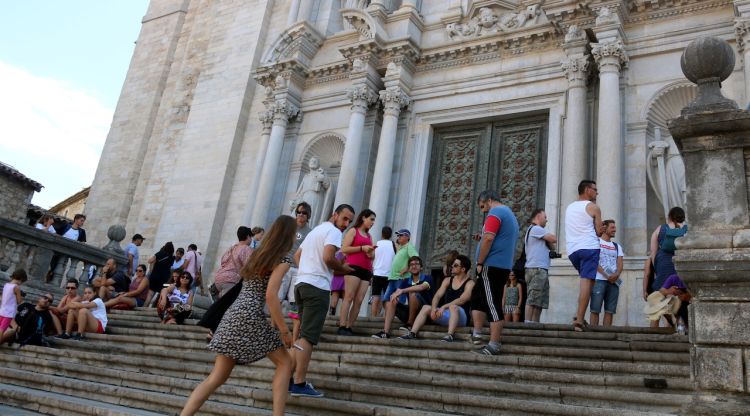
(231, 263)
(360, 258)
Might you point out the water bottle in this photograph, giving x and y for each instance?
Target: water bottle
(680, 326)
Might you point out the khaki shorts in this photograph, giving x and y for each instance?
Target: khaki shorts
(537, 288)
(313, 306)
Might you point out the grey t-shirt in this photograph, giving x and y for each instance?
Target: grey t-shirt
(298, 239)
(537, 252)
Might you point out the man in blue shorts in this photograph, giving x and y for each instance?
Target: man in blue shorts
(583, 226)
(494, 261)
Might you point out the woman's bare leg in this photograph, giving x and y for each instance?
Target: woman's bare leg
(359, 297)
(223, 367)
(283, 361)
(351, 283)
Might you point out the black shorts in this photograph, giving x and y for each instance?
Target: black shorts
(487, 295)
(360, 272)
(379, 283)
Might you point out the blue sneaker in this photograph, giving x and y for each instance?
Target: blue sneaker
(305, 391)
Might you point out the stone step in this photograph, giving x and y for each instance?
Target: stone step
(647, 341)
(333, 352)
(535, 368)
(407, 347)
(43, 402)
(401, 394)
(230, 399)
(543, 385)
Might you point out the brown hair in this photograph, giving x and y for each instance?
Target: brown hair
(276, 244)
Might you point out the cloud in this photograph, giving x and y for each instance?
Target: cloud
(51, 130)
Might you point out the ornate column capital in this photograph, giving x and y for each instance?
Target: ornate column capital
(742, 31)
(282, 111)
(610, 55)
(266, 119)
(576, 69)
(393, 99)
(361, 97)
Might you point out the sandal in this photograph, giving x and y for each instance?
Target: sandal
(577, 326)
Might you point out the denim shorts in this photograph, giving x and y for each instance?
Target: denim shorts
(606, 293)
(443, 320)
(393, 285)
(586, 261)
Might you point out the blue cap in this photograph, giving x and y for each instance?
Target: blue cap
(403, 231)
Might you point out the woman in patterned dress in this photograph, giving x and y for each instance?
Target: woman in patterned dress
(244, 334)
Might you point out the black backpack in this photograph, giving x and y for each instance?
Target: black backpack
(30, 325)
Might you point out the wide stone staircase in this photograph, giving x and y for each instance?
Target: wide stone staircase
(141, 367)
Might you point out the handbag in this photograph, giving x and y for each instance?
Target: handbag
(216, 311)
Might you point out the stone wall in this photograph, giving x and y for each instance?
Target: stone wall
(15, 198)
(563, 294)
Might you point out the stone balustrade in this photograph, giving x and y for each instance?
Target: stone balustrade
(32, 249)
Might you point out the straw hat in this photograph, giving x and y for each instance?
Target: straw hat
(659, 305)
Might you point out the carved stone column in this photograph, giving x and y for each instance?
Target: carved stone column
(609, 54)
(713, 137)
(293, 11)
(742, 31)
(266, 119)
(305, 10)
(362, 97)
(393, 98)
(575, 147)
(282, 111)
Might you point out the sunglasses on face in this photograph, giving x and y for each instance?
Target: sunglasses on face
(49, 299)
(415, 265)
(305, 213)
(71, 288)
(456, 265)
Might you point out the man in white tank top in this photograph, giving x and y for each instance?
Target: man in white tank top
(583, 226)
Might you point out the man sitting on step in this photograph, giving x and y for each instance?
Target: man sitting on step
(406, 301)
(110, 281)
(33, 323)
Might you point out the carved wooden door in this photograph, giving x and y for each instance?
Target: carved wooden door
(505, 156)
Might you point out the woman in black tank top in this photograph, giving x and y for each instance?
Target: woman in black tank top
(450, 305)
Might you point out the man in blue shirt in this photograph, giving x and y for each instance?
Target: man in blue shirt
(405, 302)
(494, 261)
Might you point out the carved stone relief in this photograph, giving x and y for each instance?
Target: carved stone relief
(492, 20)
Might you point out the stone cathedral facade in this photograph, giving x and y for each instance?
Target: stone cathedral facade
(409, 107)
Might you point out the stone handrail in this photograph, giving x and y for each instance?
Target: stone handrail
(27, 247)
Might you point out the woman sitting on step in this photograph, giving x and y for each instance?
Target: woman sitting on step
(90, 315)
(176, 300)
(137, 291)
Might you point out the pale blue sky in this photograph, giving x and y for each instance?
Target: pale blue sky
(62, 65)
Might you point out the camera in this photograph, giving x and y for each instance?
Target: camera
(554, 255)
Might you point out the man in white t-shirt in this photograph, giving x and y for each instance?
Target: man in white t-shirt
(607, 285)
(381, 267)
(317, 262)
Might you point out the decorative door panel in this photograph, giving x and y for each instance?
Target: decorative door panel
(521, 162)
(460, 162)
(506, 156)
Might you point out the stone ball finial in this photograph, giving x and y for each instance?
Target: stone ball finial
(707, 61)
(707, 57)
(116, 233)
